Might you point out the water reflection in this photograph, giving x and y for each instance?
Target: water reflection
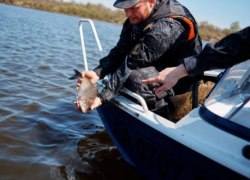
(42, 135)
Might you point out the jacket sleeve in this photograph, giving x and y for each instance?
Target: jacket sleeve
(158, 39)
(225, 53)
(116, 55)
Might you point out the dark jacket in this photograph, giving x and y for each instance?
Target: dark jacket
(227, 52)
(161, 41)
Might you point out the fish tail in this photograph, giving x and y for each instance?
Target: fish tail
(76, 75)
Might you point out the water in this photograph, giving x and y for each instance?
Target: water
(42, 135)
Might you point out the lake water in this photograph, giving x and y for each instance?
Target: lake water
(42, 135)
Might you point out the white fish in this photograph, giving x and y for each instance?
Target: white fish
(87, 92)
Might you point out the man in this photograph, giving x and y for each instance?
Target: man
(227, 52)
(156, 34)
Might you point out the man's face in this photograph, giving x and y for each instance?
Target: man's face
(139, 12)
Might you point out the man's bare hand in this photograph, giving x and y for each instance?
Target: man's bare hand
(167, 77)
(97, 102)
(91, 75)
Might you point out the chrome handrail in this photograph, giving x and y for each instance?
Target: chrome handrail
(82, 40)
(137, 97)
(132, 94)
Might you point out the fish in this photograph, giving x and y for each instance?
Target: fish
(86, 93)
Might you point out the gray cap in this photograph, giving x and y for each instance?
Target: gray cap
(124, 4)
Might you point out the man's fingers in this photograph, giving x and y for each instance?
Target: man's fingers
(79, 80)
(97, 102)
(94, 105)
(161, 89)
(149, 81)
(77, 103)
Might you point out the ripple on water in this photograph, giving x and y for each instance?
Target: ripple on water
(25, 106)
(5, 112)
(32, 107)
(39, 124)
(44, 68)
(6, 73)
(99, 152)
(18, 170)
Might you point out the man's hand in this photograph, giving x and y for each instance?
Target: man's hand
(91, 75)
(97, 102)
(168, 77)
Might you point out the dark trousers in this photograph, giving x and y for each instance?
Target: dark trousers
(158, 104)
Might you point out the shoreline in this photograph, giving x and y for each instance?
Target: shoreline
(80, 10)
(208, 32)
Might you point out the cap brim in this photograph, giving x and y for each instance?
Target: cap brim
(125, 4)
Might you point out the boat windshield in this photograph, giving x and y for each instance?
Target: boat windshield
(230, 99)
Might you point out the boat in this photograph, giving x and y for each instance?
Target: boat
(211, 141)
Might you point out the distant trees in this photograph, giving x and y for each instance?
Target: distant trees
(212, 33)
(71, 8)
(207, 31)
(235, 26)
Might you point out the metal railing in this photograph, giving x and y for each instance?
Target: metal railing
(128, 92)
(82, 40)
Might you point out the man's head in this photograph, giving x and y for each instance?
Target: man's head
(136, 10)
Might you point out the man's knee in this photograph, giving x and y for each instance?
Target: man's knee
(134, 81)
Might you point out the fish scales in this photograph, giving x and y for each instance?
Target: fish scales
(87, 93)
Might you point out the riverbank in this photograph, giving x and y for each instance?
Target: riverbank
(91, 11)
(208, 32)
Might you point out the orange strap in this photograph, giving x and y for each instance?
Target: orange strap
(191, 33)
